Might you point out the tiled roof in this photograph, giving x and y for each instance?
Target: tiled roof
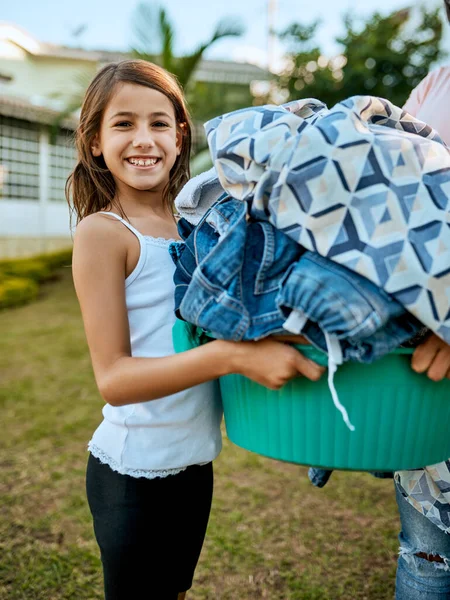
(20, 108)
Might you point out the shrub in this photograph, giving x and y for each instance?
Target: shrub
(58, 259)
(29, 268)
(19, 278)
(15, 291)
(39, 268)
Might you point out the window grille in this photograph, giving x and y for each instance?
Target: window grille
(62, 157)
(19, 159)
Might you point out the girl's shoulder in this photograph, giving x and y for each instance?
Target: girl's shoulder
(98, 224)
(100, 233)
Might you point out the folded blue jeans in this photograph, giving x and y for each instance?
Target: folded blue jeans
(229, 272)
(244, 280)
(321, 300)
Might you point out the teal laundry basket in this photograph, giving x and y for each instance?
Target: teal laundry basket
(401, 418)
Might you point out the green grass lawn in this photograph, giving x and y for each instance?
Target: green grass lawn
(271, 534)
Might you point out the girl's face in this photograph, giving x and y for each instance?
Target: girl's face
(138, 138)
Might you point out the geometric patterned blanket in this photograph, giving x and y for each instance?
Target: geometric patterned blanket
(364, 184)
(428, 491)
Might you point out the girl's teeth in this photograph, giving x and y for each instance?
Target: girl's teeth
(143, 163)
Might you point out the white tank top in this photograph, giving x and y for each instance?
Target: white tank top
(159, 437)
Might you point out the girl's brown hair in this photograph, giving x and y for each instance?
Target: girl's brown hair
(90, 187)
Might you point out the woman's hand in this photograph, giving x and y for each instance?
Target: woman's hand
(272, 363)
(432, 357)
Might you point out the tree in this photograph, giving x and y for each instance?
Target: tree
(155, 35)
(378, 58)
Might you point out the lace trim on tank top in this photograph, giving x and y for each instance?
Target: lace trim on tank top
(161, 241)
(107, 460)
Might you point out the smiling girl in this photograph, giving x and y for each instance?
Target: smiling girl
(149, 474)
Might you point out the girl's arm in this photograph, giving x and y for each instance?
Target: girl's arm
(99, 271)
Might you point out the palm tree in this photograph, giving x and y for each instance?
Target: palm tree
(154, 33)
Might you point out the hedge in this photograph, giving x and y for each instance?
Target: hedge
(16, 291)
(56, 260)
(27, 268)
(20, 278)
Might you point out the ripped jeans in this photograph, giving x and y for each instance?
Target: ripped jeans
(419, 578)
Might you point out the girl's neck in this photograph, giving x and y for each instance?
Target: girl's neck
(146, 211)
(154, 221)
(140, 204)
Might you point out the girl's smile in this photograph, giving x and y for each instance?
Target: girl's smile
(143, 162)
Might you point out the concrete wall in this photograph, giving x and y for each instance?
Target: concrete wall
(29, 227)
(11, 247)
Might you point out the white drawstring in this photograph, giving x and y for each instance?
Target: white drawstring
(295, 323)
(335, 359)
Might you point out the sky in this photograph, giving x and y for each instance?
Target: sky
(108, 22)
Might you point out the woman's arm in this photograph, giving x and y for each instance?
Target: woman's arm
(419, 93)
(432, 357)
(99, 265)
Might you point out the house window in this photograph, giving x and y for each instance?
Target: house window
(62, 158)
(19, 159)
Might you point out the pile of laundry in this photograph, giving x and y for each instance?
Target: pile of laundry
(333, 224)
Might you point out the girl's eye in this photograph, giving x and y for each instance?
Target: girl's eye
(122, 124)
(160, 124)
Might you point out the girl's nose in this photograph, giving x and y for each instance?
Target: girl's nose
(143, 139)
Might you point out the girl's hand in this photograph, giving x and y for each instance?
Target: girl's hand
(272, 363)
(433, 356)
